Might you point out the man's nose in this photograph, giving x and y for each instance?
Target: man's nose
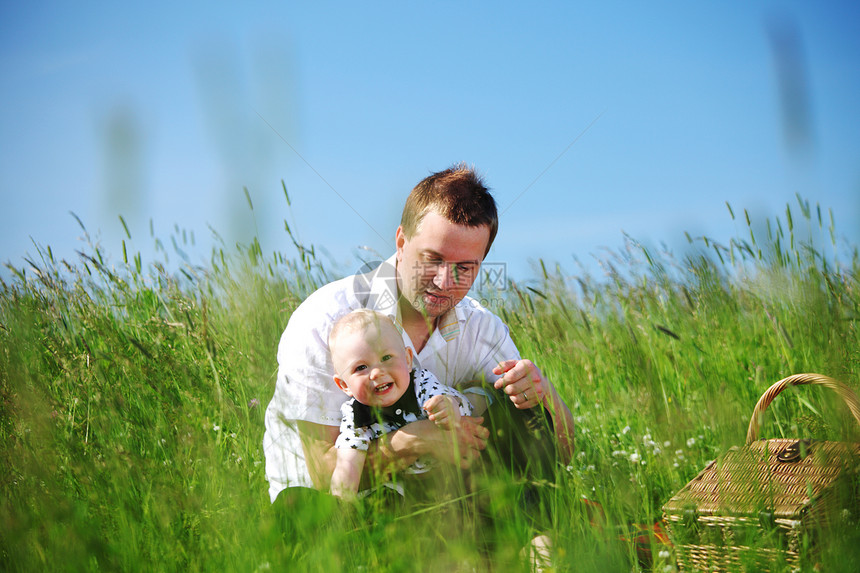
(444, 278)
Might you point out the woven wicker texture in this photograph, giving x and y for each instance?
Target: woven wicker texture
(751, 480)
(751, 508)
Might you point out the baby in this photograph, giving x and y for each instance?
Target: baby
(374, 368)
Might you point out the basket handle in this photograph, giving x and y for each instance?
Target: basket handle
(846, 393)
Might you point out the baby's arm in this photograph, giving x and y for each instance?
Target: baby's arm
(351, 447)
(444, 410)
(347, 472)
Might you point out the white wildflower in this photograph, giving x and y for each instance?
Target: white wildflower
(625, 430)
(216, 427)
(635, 457)
(691, 442)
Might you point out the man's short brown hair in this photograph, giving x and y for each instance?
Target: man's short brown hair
(458, 194)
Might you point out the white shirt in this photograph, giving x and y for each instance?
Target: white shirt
(469, 342)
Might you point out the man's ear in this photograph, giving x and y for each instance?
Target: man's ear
(342, 385)
(409, 357)
(399, 240)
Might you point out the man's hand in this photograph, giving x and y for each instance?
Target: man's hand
(442, 409)
(462, 446)
(523, 382)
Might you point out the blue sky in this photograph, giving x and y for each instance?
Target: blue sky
(587, 120)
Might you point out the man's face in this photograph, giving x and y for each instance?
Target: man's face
(437, 266)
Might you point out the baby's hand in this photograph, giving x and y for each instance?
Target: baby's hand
(443, 411)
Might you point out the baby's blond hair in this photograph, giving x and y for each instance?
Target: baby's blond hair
(358, 319)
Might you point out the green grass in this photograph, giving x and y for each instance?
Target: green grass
(132, 400)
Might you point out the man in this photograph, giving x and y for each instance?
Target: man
(448, 225)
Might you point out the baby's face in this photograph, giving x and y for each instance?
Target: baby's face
(372, 365)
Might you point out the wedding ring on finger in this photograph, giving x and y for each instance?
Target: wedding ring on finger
(525, 397)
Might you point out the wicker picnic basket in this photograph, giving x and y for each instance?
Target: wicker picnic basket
(765, 505)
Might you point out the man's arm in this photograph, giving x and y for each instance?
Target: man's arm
(526, 386)
(562, 420)
(320, 454)
(396, 450)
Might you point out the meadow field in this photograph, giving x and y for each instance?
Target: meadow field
(132, 400)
